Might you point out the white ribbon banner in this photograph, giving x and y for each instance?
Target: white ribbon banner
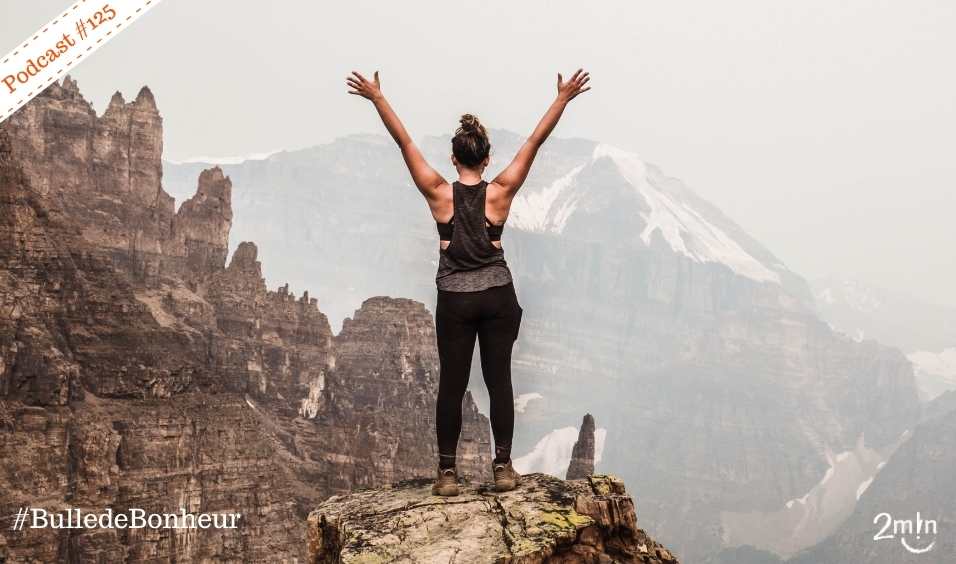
(58, 46)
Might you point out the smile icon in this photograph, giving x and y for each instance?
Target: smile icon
(916, 550)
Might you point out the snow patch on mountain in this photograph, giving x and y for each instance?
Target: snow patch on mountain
(942, 363)
(521, 402)
(552, 454)
(548, 209)
(863, 487)
(935, 372)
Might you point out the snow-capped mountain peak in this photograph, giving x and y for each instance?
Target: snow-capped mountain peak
(666, 212)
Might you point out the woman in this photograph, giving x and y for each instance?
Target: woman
(476, 296)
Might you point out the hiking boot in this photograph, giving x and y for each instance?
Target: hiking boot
(505, 476)
(447, 482)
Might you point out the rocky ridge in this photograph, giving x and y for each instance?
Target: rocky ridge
(543, 520)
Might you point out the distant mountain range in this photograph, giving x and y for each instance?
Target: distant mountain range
(927, 332)
(866, 311)
(738, 414)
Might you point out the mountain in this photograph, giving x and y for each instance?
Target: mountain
(926, 331)
(139, 370)
(891, 523)
(725, 398)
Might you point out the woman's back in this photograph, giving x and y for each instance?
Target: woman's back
(471, 261)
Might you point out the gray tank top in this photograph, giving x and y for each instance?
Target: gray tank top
(471, 262)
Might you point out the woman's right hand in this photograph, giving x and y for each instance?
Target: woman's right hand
(574, 86)
(361, 86)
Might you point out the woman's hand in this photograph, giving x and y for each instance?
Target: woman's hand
(514, 175)
(363, 87)
(428, 181)
(574, 86)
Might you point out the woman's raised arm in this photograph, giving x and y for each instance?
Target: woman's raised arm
(425, 177)
(514, 175)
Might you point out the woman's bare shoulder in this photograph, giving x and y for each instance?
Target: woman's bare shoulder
(441, 202)
(499, 192)
(440, 192)
(498, 200)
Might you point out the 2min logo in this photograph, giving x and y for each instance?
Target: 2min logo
(909, 531)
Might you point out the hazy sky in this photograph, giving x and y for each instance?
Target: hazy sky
(826, 129)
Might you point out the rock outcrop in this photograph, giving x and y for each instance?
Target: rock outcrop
(582, 455)
(137, 370)
(544, 520)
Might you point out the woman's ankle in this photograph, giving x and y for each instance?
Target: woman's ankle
(446, 461)
(502, 454)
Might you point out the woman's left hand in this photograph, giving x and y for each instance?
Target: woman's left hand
(363, 87)
(575, 85)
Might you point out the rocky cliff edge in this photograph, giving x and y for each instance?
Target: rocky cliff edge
(544, 520)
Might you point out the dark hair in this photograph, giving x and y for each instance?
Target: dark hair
(470, 145)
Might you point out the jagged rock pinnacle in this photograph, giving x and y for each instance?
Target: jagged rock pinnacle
(69, 84)
(146, 98)
(582, 456)
(245, 256)
(117, 100)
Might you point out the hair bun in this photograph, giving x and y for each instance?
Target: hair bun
(470, 145)
(470, 124)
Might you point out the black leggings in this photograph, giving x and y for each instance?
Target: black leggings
(493, 316)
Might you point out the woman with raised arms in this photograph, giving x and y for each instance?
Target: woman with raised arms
(476, 294)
